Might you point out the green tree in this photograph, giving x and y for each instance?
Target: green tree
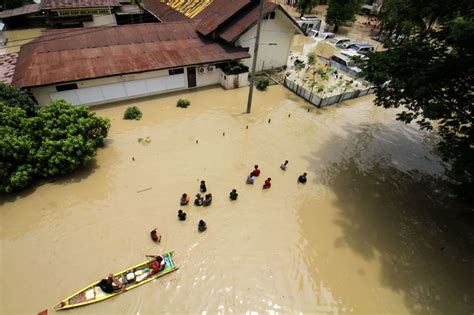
(342, 11)
(17, 98)
(12, 4)
(306, 6)
(428, 71)
(59, 139)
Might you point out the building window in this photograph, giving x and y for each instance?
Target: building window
(271, 16)
(66, 87)
(176, 71)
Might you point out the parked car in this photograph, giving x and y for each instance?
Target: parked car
(337, 41)
(362, 48)
(345, 62)
(321, 35)
(309, 23)
(346, 45)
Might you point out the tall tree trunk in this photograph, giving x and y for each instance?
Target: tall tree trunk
(336, 28)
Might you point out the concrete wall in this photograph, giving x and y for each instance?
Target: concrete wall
(279, 33)
(232, 81)
(42, 94)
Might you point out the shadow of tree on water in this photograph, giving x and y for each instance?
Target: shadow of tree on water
(405, 218)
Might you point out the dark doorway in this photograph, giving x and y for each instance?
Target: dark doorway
(191, 77)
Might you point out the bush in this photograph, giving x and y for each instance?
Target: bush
(311, 58)
(59, 139)
(183, 103)
(132, 113)
(14, 97)
(234, 67)
(262, 84)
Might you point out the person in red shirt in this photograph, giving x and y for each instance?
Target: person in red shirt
(256, 171)
(267, 183)
(157, 265)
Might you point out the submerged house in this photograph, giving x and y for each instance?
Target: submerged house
(186, 50)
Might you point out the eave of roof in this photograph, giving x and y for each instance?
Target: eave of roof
(26, 9)
(108, 51)
(77, 4)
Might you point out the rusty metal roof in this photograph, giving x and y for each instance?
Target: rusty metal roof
(240, 23)
(74, 4)
(114, 50)
(26, 9)
(218, 12)
(163, 12)
(7, 67)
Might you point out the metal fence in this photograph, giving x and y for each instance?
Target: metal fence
(325, 101)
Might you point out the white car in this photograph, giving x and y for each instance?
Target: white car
(321, 35)
(336, 41)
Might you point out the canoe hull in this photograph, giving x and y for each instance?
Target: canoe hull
(93, 294)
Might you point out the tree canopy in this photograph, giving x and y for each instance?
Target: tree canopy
(306, 6)
(51, 141)
(428, 71)
(12, 4)
(342, 11)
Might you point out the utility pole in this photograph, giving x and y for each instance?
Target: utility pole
(255, 54)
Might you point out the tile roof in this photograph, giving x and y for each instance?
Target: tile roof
(106, 51)
(26, 9)
(73, 4)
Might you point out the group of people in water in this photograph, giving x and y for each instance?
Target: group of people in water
(157, 263)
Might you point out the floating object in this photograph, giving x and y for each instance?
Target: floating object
(223, 133)
(93, 293)
(155, 236)
(247, 127)
(133, 159)
(309, 109)
(269, 120)
(143, 190)
(197, 141)
(289, 115)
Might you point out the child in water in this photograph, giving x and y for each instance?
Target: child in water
(233, 194)
(202, 187)
(284, 166)
(184, 199)
(256, 171)
(250, 179)
(302, 178)
(181, 215)
(199, 200)
(202, 226)
(267, 183)
(208, 200)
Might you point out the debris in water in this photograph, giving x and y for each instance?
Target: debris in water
(197, 141)
(247, 127)
(143, 190)
(269, 120)
(145, 141)
(309, 109)
(289, 115)
(133, 159)
(223, 133)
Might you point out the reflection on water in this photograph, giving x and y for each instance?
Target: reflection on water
(356, 238)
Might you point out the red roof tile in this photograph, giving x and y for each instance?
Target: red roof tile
(7, 67)
(72, 4)
(105, 51)
(26, 9)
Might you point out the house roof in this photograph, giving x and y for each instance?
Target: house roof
(75, 4)
(7, 67)
(240, 23)
(217, 13)
(163, 12)
(114, 50)
(26, 9)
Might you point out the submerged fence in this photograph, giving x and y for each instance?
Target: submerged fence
(325, 101)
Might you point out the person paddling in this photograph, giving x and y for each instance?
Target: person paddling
(256, 171)
(267, 183)
(184, 199)
(202, 226)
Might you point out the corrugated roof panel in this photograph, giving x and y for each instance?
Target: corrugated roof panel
(116, 50)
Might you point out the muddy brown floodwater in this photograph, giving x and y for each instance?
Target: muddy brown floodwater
(358, 237)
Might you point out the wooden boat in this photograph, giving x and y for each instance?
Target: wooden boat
(93, 293)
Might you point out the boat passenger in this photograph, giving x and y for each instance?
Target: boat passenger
(267, 183)
(202, 187)
(284, 166)
(199, 200)
(157, 265)
(111, 284)
(208, 200)
(181, 215)
(184, 199)
(302, 178)
(202, 226)
(250, 179)
(233, 194)
(256, 171)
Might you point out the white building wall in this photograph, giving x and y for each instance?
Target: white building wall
(136, 86)
(275, 42)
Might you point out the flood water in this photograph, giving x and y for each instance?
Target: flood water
(369, 233)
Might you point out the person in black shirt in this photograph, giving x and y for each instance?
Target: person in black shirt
(302, 179)
(181, 215)
(233, 194)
